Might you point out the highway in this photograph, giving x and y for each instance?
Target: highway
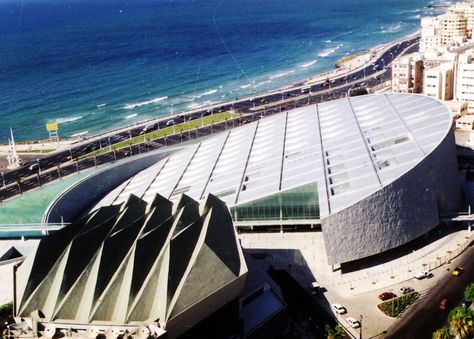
(51, 167)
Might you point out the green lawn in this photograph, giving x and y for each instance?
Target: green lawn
(48, 150)
(394, 307)
(176, 129)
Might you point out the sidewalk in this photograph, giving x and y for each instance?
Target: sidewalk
(303, 254)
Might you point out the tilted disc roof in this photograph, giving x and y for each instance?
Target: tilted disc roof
(351, 147)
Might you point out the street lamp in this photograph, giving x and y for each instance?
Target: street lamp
(3, 179)
(39, 167)
(360, 328)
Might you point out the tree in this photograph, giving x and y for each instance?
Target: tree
(469, 292)
(461, 320)
(334, 333)
(443, 333)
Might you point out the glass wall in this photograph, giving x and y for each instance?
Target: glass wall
(298, 203)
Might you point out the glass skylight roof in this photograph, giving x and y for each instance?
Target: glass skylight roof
(351, 147)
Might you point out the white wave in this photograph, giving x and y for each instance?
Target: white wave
(131, 116)
(262, 83)
(392, 29)
(327, 41)
(101, 105)
(416, 17)
(144, 103)
(68, 119)
(281, 75)
(79, 134)
(245, 86)
(308, 64)
(199, 105)
(328, 51)
(211, 91)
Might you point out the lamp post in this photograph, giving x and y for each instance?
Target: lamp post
(3, 179)
(360, 328)
(39, 167)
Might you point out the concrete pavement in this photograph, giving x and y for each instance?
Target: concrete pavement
(357, 290)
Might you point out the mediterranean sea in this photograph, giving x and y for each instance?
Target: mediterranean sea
(95, 65)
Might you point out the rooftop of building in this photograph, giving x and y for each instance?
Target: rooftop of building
(345, 149)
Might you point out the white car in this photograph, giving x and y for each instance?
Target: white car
(422, 275)
(339, 309)
(353, 322)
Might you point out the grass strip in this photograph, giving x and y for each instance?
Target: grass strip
(175, 129)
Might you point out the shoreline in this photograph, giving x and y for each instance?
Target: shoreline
(348, 64)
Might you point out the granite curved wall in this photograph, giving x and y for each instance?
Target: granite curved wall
(84, 194)
(399, 212)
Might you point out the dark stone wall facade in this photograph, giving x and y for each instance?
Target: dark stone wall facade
(399, 212)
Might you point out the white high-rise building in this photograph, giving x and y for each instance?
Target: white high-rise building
(465, 80)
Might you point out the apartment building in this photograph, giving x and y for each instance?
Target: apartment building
(465, 79)
(407, 74)
(467, 8)
(438, 33)
(438, 81)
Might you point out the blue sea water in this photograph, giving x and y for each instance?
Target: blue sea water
(95, 65)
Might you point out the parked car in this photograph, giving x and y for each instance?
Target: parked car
(465, 303)
(339, 309)
(353, 322)
(457, 271)
(387, 295)
(443, 304)
(170, 122)
(406, 289)
(422, 275)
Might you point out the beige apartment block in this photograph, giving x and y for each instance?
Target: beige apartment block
(457, 108)
(465, 123)
(467, 8)
(407, 74)
(439, 81)
(438, 33)
(453, 26)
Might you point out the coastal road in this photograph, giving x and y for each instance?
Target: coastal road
(425, 317)
(372, 74)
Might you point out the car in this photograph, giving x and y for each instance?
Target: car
(406, 289)
(149, 128)
(34, 167)
(465, 303)
(170, 122)
(443, 304)
(339, 309)
(422, 274)
(457, 271)
(353, 322)
(387, 295)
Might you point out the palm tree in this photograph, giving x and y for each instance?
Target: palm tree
(443, 333)
(461, 320)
